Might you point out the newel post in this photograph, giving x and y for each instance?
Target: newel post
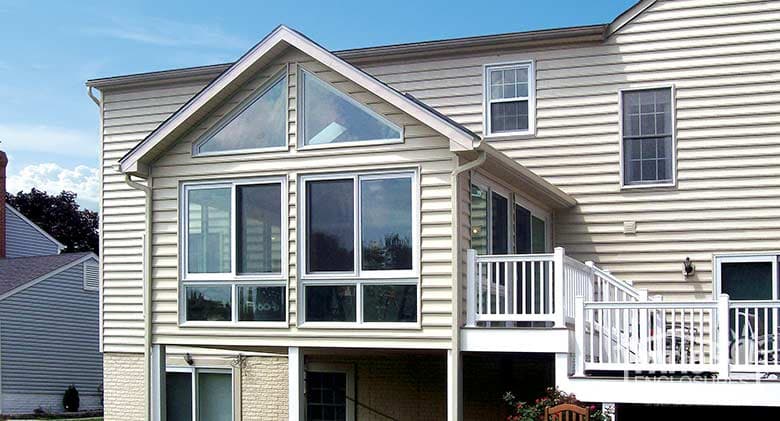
(579, 336)
(723, 337)
(592, 285)
(471, 288)
(559, 303)
(644, 329)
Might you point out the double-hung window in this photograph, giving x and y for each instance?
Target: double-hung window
(233, 239)
(509, 99)
(359, 248)
(648, 137)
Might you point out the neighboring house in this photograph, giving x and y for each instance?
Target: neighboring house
(409, 231)
(49, 318)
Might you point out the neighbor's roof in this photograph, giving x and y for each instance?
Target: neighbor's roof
(18, 271)
(281, 38)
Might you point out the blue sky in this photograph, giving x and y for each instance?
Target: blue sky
(49, 127)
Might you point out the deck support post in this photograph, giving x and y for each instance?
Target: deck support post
(158, 382)
(560, 308)
(723, 337)
(454, 385)
(471, 288)
(295, 373)
(579, 336)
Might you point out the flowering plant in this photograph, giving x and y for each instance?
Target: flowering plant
(524, 411)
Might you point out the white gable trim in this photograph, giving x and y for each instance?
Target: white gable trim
(624, 18)
(459, 138)
(44, 277)
(59, 245)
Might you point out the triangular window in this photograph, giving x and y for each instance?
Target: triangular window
(258, 123)
(329, 116)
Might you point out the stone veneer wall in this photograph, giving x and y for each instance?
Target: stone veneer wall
(264, 389)
(123, 387)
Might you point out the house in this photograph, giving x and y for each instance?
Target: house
(49, 335)
(409, 231)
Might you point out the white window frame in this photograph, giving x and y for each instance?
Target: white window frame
(673, 110)
(301, 135)
(349, 371)
(193, 372)
(766, 257)
(233, 279)
(531, 98)
(281, 75)
(358, 277)
(90, 263)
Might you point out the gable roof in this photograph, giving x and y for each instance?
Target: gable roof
(35, 226)
(275, 42)
(21, 272)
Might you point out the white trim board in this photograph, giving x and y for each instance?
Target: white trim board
(278, 39)
(36, 227)
(46, 276)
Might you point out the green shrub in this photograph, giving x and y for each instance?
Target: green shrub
(523, 411)
(70, 401)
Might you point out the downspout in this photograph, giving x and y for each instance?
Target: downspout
(147, 283)
(456, 301)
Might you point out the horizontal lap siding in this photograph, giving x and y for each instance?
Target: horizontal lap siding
(49, 337)
(128, 117)
(423, 149)
(22, 239)
(723, 58)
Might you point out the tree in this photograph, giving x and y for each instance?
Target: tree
(60, 216)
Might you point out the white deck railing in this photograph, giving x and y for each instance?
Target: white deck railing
(535, 287)
(684, 336)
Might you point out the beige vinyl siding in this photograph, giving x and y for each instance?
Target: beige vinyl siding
(723, 57)
(128, 116)
(423, 150)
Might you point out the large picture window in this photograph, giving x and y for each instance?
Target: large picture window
(648, 137)
(359, 248)
(233, 239)
(329, 116)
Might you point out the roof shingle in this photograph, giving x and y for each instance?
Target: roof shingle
(18, 271)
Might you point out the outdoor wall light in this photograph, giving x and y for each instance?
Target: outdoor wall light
(188, 358)
(688, 267)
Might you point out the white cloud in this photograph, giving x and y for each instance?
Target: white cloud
(52, 178)
(48, 139)
(169, 33)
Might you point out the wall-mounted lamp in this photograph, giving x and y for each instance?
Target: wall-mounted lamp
(188, 358)
(688, 267)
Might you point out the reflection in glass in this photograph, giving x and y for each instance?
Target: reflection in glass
(390, 303)
(262, 124)
(330, 225)
(329, 116)
(178, 396)
(500, 224)
(258, 303)
(215, 397)
(330, 303)
(259, 228)
(386, 223)
(210, 303)
(538, 235)
(522, 230)
(479, 217)
(208, 230)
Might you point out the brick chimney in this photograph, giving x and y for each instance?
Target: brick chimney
(3, 164)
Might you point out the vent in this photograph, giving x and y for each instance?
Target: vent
(91, 276)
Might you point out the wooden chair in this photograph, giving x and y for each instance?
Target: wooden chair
(566, 412)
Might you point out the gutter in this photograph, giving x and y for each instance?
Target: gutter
(147, 286)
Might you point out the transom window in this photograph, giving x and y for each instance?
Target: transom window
(260, 122)
(359, 246)
(509, 93)
(198, 394)
(331, 117)
(233, 240)
(648, 148)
